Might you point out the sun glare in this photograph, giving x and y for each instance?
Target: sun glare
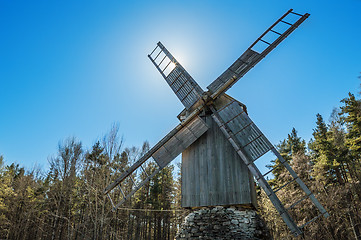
(167, 66)
(164, 63)
(171, 66)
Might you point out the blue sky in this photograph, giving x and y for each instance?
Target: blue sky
(72, 68)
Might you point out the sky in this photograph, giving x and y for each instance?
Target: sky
(73, 68)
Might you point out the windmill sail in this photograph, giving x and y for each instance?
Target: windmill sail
(182, 84)
(162, 153)
(251, 57)
(250, 144)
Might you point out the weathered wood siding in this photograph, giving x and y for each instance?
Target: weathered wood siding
(213, 174)
(180, 141)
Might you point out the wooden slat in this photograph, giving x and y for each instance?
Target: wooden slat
(248, 135)
(180, 141)
(182, 84)
(235, 71)
(257, 148)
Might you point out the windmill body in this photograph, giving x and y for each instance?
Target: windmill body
(219, 142)
(213, 174)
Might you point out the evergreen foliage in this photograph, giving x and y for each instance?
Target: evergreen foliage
(330, 166)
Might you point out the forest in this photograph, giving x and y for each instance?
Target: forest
(66, 201)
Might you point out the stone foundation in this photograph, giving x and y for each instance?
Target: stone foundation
(223, 223)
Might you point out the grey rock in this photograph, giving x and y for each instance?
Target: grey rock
(234, 221)
(223, 223)
(226, 223)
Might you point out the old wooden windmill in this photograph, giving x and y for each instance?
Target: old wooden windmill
(218, 141)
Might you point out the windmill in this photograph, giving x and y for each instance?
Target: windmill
(218, 141)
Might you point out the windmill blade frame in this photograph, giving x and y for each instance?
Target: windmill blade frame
(182, 84)
(251, 57)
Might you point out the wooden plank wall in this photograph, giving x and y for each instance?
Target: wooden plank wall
(213, 174)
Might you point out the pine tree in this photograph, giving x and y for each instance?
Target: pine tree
(289, 147)
(351, 115)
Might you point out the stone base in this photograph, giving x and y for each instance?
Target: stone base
(224, 223)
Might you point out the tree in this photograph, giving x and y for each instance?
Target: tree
(5, 193)
(61, 196)
(351, 116)
(326, 155)
(289, 147)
